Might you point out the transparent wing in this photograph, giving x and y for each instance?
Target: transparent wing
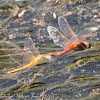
(58, 38)
(30, 51)
(13, 51)
(20, 56)
(66, 29)
(87, 32)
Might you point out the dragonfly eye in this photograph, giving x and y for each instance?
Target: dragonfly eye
(89, 45)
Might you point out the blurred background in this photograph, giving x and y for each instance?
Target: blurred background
(72, 76)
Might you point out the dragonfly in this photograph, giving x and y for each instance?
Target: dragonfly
(29, 55)
(67, 38)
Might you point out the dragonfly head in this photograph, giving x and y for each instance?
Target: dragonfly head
(88, 44)
(82, 46)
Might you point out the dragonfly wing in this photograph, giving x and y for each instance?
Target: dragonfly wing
(58, 38)
(66, 29)
(30, 51)
(13, 51)
(87, 32)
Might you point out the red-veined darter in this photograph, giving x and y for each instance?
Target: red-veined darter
(68, 39)
(31, 55)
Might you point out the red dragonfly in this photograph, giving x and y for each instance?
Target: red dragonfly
(69, 40)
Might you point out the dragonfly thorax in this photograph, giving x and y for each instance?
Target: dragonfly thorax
(82, 46)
